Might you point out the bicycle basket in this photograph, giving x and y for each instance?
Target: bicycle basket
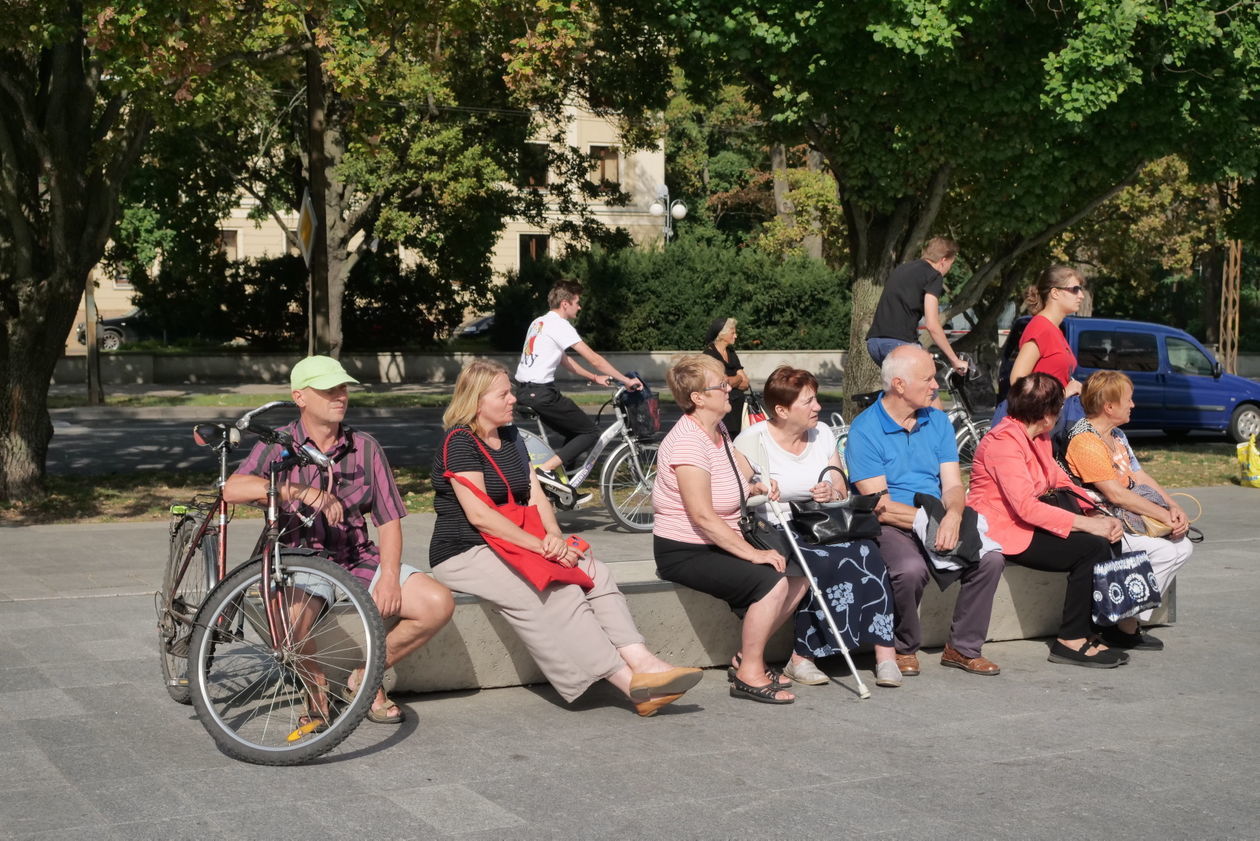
(643, 411)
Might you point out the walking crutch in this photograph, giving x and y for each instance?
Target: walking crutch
(863, 692)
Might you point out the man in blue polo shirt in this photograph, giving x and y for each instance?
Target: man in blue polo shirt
(904, 446)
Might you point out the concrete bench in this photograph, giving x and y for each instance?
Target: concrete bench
(479, 650)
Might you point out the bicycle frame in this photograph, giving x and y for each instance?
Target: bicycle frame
(615, 430)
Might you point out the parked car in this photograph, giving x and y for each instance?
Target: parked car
(478, 327)
(113, 333)
(1178, 385)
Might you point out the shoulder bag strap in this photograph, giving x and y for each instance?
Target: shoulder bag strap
(739, 480)
(456, 477)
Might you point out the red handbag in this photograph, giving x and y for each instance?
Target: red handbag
(536, 569)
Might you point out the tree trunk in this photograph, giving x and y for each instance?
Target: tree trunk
(778, 166)
(95, 393)
(318, 339)
(63, 158)
(813, 243)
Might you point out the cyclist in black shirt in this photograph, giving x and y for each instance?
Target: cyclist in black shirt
(913, 291)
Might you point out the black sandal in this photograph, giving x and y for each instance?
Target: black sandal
(775, 675)
(765, 694)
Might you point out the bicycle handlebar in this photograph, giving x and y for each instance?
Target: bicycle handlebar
(305, 453)
(246, 422)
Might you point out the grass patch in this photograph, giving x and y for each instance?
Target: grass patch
(147, 497)
(1188, 464)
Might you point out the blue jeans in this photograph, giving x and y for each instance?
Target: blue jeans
(880, 346)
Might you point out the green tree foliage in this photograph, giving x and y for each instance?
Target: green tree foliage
(1010, 120)
(665, 300)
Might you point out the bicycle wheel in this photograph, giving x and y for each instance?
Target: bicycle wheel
(286, 705)
(968, 439)
(175, 623)
(626, 484)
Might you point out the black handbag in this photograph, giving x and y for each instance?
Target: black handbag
(851, 518)
(757, 530)
(1067, 499)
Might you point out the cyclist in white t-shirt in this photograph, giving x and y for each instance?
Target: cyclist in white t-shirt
(546, 343)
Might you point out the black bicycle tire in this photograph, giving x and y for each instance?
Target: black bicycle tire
(618, 456)
(197, 578)
(205, 649)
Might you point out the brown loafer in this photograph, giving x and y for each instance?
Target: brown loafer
(908, 664)
(975, 665)
(647, 684)
(649, 708)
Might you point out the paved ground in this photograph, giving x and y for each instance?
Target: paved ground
(1164, 748)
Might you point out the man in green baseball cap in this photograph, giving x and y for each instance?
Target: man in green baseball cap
(334, 520)
(322, 372)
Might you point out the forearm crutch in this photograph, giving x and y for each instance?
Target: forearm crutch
(863, 692)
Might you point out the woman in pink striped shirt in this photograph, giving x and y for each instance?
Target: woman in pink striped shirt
(696, 537)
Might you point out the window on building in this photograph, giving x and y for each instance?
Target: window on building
(121, 282)
(228, 244)
(533, 170)
(534, 247)
(606, 168)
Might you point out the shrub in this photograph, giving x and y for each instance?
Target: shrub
(640, 299)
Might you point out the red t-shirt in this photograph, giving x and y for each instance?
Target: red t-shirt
(1057, 358)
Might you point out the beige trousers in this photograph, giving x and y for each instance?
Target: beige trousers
(573, 635)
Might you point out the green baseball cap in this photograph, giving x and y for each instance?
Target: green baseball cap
(318, 372)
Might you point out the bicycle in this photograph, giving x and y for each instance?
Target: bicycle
(629, 471)
(272, 645)
(196, 562)
(968, 429)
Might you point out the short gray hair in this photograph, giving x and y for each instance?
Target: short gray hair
(897, 363)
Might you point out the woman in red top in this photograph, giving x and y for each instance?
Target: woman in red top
(1043, 349)
(1034, 533)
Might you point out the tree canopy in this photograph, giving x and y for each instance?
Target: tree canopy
(1005, 121)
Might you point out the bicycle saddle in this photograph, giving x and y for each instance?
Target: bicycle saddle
(866, 398)
(526, 412)
(216, 435)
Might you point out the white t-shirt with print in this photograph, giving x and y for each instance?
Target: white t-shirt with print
(796, 474)
(549, 336)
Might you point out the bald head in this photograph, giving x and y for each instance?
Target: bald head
(901, 362)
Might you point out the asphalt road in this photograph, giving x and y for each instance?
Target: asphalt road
(132, 440)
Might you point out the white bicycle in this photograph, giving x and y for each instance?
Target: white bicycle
(629, 471)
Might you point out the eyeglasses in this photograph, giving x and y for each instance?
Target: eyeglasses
(722, 387)
(1075, 290)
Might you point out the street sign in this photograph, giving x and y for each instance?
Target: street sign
(306, 227)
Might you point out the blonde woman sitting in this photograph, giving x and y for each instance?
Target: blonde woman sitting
(576, 636)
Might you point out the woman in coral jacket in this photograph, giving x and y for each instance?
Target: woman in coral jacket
(1037, 534)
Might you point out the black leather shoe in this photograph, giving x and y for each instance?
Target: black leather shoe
(1102, 659)
(1113, 637)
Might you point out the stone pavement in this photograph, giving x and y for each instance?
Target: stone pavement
(1164, 748)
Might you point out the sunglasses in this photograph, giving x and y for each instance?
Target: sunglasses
(1075, 290)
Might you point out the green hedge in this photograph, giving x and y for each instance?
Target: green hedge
(640, 299)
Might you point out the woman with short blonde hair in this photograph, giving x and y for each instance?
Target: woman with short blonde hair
(695, 534)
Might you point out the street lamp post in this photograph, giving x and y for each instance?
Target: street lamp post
(671, 211)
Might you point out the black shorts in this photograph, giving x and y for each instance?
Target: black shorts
(705, 567)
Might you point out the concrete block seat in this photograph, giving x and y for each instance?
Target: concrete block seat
(479, 650)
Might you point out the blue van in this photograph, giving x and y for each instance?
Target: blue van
(1178, 385)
